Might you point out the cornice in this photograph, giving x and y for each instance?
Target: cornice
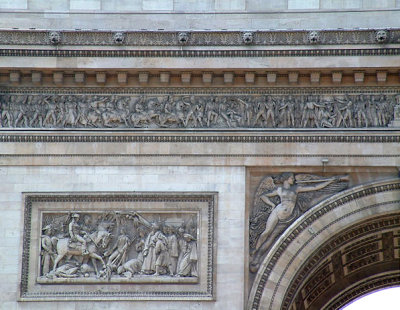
(227, 90)
(199, 38)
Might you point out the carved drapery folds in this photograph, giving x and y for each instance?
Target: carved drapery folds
(196, 111)
(279, 200)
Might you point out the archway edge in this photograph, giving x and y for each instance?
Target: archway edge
(312, 229)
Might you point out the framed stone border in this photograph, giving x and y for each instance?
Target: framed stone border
(201, 206)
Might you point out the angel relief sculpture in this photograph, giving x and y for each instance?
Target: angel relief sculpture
(279, 200)
(117, 245)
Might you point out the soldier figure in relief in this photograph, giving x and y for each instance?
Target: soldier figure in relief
(118, 251)
(75, 230)
(47, 252)
(187, 264)
(172, 248)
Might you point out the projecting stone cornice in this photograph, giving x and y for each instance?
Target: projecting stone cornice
(250, 39)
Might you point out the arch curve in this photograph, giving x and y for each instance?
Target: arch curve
(337, 251)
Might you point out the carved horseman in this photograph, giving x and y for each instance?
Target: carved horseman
(74, 231)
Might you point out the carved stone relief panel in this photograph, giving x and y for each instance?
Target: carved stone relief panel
(118, 245)
(199, 111)
(279, 200)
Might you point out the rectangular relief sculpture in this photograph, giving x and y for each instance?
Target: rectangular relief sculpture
(118, 246)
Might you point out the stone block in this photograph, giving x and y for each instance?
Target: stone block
(293, 77)
(207, 77)
(381, 4)
(36, 77)
(271, 77)
(121, 5)
(303, 4)
(165, 77)
(14, 4)
(58, 77)
(229, 77)
(340, 4)
(15, 76)
(158, 5)
(250, 77)
(258, 5)
(359, 77)
(101, 77)
(232, 5)
(381, 76)
(143, 77)
(337, 77)
(193, 5)
(79, 77)
(122, 77)
(186, 77)
(315, 77)
(54, 5)
(84, 5)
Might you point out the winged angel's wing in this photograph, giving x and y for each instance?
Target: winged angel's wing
(306, 199)
(260, 210)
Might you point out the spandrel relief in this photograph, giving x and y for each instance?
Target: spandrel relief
(131, 246)
(197, 111)
(118, 246)
(278, 201)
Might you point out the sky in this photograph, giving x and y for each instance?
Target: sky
(387, 299)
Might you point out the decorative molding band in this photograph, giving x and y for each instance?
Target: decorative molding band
(199, 38)
(155, 91)
(206, 155)
(59, 137)
(341, 199)
(201, 53)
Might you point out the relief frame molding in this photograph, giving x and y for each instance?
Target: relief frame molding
(204, 204)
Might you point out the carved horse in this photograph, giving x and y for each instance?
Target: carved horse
(97, 239)
(117, 116)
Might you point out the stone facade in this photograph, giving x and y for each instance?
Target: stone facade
(264, 135)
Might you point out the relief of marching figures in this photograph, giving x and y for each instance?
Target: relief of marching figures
(116, 245)
(197, 111)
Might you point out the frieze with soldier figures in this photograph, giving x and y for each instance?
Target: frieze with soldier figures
(197, 111)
